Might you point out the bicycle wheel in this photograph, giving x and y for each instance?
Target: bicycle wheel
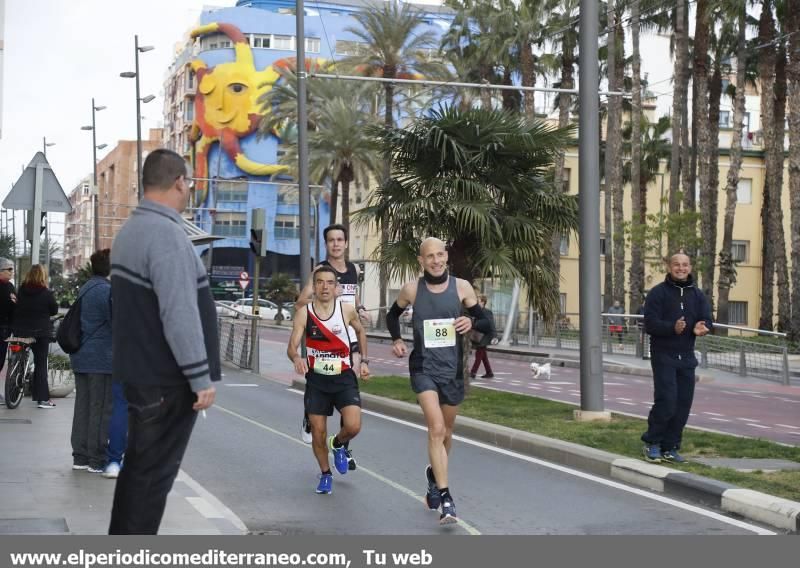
(15, 379)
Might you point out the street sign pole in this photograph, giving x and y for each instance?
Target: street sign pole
(37, 214)
(255, 361)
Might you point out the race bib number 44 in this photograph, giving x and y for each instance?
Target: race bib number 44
(328, 365)
(439, 333)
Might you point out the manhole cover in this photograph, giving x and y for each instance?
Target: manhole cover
(14, 421)
(33, 526)
(748, 465)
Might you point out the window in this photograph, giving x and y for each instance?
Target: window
(345, 47)
(288, 227)
(283, 42)
(562, 303)
(725, 119)
(230, 225)
(288, 195)
(602, 245)
(744, 191)
(737, 313)
(740, 251)
(564, 248)
(190, 79)
(231, 191)
(565, 178)
(312, 44)
(262, 41)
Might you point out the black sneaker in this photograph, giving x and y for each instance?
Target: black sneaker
(351, 461)
(448, 515)
(432, 496)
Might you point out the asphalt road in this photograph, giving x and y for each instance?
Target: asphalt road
(759, 409)
(248, 453)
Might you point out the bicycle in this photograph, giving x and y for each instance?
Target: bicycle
(19, 378)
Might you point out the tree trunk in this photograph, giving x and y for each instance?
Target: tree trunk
(334, 202)
(528, 69)
(727, 270)
(618, 190)
(611, 132)
(486, 74)
(688, 151)
(793, 72)
(637, 257)
(776, 216)
(679, 96)
(510, 97)
(567, 62)
(346, 177)
(710, 212)
(701, 33)
(766, 68)
(383, 273)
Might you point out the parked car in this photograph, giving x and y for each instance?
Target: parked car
(267, 310)
(224, 308)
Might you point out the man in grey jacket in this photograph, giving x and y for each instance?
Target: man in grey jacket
(165, 342)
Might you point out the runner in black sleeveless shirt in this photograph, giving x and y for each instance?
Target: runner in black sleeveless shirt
(435, 364)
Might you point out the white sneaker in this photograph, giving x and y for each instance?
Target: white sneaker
(80, 467)
(305, 431)
(94, 470)
(111, 471)
(46, 404)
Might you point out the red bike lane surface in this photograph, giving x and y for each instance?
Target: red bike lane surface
(758, 409)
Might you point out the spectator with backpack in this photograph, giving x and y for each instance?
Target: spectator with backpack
(92, 365)
(480, 341)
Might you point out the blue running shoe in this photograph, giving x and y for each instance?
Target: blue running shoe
(673, 456)
(339, 456)
(325, 486)
(432, 497)
(448, 515)
(652, 453)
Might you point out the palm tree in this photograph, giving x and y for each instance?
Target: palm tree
(793, 75)
(477, 179)
(727, 269)
(638, 212)
(393, 47)
(679, 103)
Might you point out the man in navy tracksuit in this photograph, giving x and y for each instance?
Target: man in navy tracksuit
(675, 314)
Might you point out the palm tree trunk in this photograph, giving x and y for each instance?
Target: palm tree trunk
(346, 176)
(334, 202)
(688, 130)
(618, 190)
(781, 265)
(679, 99)
(528, 68)
(793, 72)
(710, 211)
(637, 257)
(766, 68)
(611, 132)
(701, 33)
(383, 274)
(727, 270)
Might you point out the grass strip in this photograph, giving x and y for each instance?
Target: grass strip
(620, 436)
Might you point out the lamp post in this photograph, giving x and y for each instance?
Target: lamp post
(45, 146)
(95, 193)
(139, 100)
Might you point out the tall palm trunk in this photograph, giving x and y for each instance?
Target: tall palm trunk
(776, 216)
(334, 202)
(793, 72)
(688, 130)
(346, 177)
(727, 270)
(711, 206)
(618, 190)
(567, 62)
(679, 101)
(528, 71)
(766, 68)
(701, 35)
(637, 256)
(611, 131)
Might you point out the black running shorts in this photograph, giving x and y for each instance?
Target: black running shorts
(451, 391)
(322, 403)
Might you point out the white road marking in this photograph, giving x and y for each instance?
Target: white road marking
(713, 414)
(570, 471)
(788, 426)
(469, 528)
(760, 426)
(627, 399)
(748, 420)
(626, 403)
(720, 419)
(794, 433)
(758, 396)
(608, 384)
(558, 390)
(789, 400)
(239, 384)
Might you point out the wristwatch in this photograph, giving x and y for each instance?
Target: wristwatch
(365, 361)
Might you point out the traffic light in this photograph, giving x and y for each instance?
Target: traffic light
(258, 232)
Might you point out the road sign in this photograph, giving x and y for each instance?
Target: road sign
(22, 194)
(244, 280)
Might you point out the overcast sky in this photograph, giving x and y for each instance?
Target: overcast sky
(61, 53)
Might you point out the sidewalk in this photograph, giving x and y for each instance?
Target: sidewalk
(43, 495)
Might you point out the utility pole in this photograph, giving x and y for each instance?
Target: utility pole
(302, 146)
(591, 358)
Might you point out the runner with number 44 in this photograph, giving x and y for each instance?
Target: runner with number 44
(331, 382)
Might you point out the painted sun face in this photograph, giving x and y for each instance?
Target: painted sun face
(231, 92)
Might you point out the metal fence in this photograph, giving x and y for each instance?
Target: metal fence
(236, 342)
(743, 351)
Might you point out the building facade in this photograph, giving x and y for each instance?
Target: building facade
(79, 227)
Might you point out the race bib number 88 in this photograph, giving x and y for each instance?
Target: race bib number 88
(328, 365)
(439, 333)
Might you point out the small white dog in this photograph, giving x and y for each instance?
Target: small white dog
(540, 371)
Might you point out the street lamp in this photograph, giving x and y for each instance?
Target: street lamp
(139, 100)
(95, 195)
(46, 145)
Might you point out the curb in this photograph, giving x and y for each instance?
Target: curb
(752, 505)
